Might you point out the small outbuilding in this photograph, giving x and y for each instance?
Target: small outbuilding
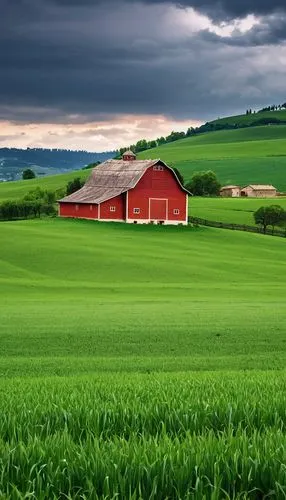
(130, 190)
(259, 191)
(230, 191)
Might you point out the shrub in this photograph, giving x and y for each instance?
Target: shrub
(28, 173)
(204, 184)
(272, 215)
(74, 185)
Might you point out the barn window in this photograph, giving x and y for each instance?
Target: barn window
(158, 167)
(90, 207)
(136, 210)
(176, 211)
(112, 209)
(76, 208)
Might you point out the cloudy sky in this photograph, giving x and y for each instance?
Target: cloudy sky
(100, 74)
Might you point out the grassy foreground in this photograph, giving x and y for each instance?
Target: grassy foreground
(141, 362)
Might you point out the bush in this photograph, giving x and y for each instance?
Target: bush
(28, 174)
(272, 215)
(204, 184)
(74, 185)
(34, 204)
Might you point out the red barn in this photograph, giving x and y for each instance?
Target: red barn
(130, 190)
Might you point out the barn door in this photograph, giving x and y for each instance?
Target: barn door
(158, 209)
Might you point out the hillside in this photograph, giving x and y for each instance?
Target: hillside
(44, 161)
(243, 156)
(17, 189)
(230, 210)
(141, 362)
(75, 302)
(250, 119)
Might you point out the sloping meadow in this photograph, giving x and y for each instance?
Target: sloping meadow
(141, 363)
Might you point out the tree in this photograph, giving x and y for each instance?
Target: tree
(74, 185)
(41, 195)
(204, 184)
(272, 215)
(28, 173)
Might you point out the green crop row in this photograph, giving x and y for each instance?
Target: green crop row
(179, 436)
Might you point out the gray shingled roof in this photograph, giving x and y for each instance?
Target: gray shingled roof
(110, 179)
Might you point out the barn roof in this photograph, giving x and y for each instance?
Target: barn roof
(229, 187)
(261, 187)
(112, 178)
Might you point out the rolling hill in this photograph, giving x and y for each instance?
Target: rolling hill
(141, 362)
(100, 294)
(17, 189)
(250, 119)
(230, 210)
(44, 161)
(242, 156)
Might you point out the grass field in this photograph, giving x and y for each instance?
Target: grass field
(244, 156)
(141, 362)
(17, 189)
(232, 210)
(247, 119)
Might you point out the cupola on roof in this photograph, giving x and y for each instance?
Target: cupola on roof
(129, 153)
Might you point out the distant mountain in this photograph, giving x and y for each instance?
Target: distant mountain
(45, 161)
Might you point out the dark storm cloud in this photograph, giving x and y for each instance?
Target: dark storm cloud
(81, 61)
(216, 8)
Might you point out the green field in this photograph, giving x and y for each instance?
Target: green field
(230, 210)
(248, 119)
(244, 156)
(141, 362)
(17, 189)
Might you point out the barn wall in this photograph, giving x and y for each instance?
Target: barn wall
(251, 193)
(157, 184)
(79, 210)
(119, 214)
(230, 193)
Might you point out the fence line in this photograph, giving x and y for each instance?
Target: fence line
(238, 227)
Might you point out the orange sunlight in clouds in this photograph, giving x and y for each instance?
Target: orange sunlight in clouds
(96, 136)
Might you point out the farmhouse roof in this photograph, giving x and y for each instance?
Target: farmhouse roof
(229, 187)
(112, 178)
(261, 187)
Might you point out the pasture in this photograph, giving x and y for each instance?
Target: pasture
(244, 156)
(17, 189)
(141, 362)
(248, 119)
(231, 210)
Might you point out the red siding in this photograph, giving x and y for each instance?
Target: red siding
(157, 184)
(119, 203)
(79, 210)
